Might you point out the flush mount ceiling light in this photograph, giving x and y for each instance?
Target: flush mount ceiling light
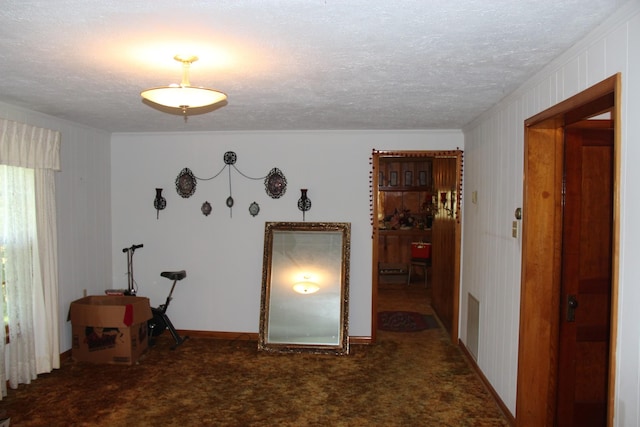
(306, 288)
(184, 98)
(306, 285)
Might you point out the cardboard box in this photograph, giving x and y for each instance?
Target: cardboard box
(109, 329)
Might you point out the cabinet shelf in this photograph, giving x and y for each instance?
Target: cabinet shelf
(411, 192)
(412, 232)
(405, 188)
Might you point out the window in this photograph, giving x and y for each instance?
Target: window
(18, 238)
(30, 156)
(3, 261)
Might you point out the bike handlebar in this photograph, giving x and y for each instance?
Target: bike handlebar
(133, 248)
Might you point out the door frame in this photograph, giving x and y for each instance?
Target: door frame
(541, 250)
(375, 165)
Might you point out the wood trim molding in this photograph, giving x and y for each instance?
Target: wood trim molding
(253, 336)
(455, 291)
(471, 361)
(360, 340)
(577, 101)
(233, 336)
(541, 256)
(615, 256)
(65, 356)
(541, 250)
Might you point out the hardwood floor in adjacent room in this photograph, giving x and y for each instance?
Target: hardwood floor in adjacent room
(400, 296)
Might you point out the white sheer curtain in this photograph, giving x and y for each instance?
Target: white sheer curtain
(29, 156)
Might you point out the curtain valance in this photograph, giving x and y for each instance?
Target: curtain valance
(29, 146)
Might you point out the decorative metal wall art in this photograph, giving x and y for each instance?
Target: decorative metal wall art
(275, 184)
(230, 158)
(254, 208)
(186, 183)
(159, 202)
(304, 203)
(206, 208)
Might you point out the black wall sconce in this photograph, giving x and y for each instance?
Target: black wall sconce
(304, 203)
(159, 202)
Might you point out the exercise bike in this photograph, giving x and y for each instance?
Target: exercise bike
(160, 320)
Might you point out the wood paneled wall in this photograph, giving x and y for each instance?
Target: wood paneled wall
(494, 153)
(444, 241)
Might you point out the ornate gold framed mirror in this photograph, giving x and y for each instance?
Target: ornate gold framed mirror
(305, 287)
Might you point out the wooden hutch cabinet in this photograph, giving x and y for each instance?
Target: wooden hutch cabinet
(405, 198)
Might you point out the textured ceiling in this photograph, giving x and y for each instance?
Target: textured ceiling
(285, 64)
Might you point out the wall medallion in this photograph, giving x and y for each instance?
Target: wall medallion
(275, 183)
(254, 208)
(206, 208)
(186, 183)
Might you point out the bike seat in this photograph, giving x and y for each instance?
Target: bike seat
(174, 275)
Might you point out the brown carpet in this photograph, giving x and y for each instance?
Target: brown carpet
(406, 379)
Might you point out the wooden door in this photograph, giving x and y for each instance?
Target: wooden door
(542, 303)
(585, 298)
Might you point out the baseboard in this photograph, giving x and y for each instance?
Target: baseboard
(253, 336)
(234, 336)
(510, 418)
(360, 340)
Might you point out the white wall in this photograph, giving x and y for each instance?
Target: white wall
(223, 255)
(493, 168)
(82, 209)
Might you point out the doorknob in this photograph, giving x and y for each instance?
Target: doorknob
(518, 213)
(572, 304)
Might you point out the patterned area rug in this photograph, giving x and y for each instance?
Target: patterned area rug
(405, 321)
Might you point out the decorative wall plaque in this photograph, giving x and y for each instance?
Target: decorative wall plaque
(275, 183)
(186, 183)
(206, 208)
(254, 209)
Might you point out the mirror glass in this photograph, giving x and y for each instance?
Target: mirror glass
(305, 287)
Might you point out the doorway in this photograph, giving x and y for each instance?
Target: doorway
(571, 176)
(430, 180)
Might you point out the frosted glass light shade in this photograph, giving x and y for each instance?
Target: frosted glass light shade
(306, 287)
(183, 96)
